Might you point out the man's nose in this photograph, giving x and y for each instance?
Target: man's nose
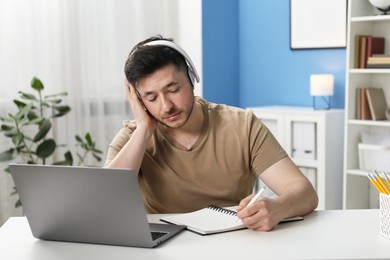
(166, 104)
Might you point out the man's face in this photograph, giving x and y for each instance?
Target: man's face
(168, 96)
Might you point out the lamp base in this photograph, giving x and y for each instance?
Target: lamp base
(324, 103)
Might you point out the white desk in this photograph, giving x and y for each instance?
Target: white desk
(333, 234)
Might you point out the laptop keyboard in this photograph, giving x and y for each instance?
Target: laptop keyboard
(157, 235)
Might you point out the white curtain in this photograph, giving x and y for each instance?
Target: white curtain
(80, 47)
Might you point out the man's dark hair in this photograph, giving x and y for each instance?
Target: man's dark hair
(144, 60)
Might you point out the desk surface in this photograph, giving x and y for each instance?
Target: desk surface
(331, 234)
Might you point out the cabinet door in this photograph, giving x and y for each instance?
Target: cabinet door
(303, 140)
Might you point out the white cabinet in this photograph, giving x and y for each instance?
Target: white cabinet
(314, 141)
(363, 19)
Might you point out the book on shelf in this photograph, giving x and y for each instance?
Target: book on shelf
(367, 46)
(378, 66)
(211, 220)
(362, 108)
(378, 61)
(358, 44)
(377, 103)
(375, 45)
(362, 52)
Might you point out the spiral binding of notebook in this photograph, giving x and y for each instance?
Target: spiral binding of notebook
(222, 210)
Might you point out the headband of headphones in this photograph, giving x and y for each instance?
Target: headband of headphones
(192, 73)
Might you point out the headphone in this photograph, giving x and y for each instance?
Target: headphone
(192, 73)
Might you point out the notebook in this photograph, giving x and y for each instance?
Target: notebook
(212, 220)
(87, 205)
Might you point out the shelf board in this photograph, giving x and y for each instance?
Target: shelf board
(357, 172)
(369, 71)
(372, 18)
(385, 123)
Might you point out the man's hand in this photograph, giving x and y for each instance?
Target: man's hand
(261, 215)
(144, 119)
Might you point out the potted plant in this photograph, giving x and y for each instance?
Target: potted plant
(31, 128)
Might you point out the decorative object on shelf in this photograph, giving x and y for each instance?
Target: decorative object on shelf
(321, 85)
(381, 5)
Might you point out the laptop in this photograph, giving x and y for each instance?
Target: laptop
(87, 205)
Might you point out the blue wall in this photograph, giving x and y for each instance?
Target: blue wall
(258, 67)
(220, 51)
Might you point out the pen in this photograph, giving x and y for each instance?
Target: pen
(255, 198)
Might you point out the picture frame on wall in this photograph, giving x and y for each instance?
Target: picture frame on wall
(318, 24)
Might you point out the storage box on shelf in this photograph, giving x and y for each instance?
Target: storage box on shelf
(314, 140)
(363, 19)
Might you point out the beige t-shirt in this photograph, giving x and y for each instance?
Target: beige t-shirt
(220, 168)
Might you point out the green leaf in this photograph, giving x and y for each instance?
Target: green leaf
(44, 128)
(37, 84)
(88, 138)
(5, 127)
(68, 159)
(54, 101)
(19, 103)
(22, 112)
(35, 121)
(18, 203)
(97, 151)
(78, 139)
(56, 95)
(62, 110)
(11, 133)
(8, 155)
(46, 148)
(17, 139)
(68, 156)
(27, 96)
(98, 158)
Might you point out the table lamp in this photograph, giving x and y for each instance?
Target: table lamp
(321, 86)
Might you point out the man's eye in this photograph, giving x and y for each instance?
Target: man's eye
(174, 90)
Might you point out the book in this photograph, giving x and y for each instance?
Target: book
(362, 52)
(375, 45)
(211, 220)
(363, 110)
(379, 59)
(357, 50)
(377, 103)
(379, 66)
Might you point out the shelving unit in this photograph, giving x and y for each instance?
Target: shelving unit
(363, 19)
(314, 141)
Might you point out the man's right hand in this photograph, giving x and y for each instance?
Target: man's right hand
(145, 121)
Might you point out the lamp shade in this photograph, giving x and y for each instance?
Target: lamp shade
(321, 85)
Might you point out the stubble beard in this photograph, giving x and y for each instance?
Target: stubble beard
(185, 120)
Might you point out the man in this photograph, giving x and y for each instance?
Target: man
(190, 153)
